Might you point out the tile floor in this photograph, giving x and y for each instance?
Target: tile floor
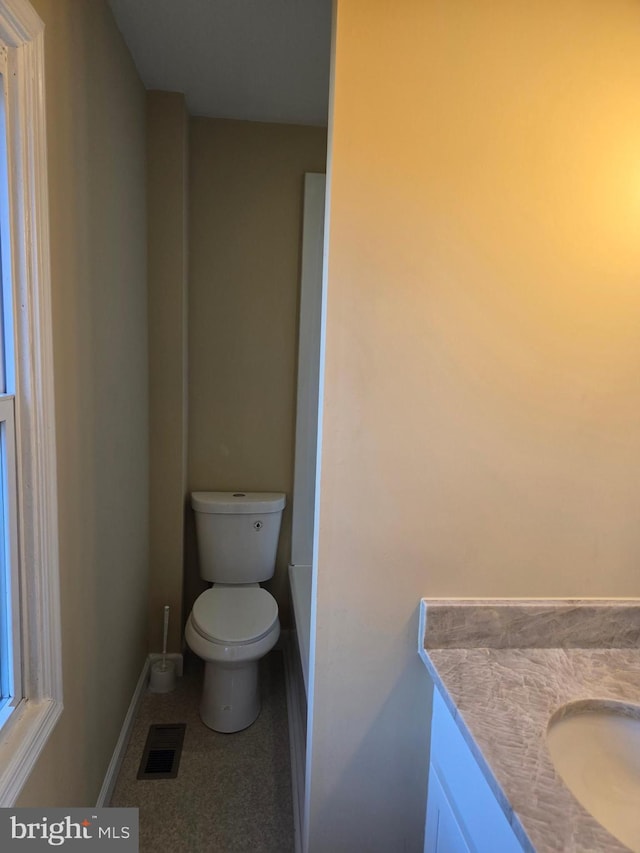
(233, 792)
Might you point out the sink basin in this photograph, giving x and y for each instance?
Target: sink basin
(595, 747)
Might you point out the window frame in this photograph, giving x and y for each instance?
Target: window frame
(27, 729)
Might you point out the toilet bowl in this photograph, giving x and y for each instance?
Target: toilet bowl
(231, 628)
(235, 622)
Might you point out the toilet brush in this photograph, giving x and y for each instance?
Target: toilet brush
(163, 671)
(165, 634)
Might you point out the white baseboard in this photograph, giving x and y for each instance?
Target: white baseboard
(121, 745)
(297, 730)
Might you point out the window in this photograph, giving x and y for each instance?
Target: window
(30, 655)
(10, 622)
(10, 641)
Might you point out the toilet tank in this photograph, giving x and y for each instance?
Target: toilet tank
(237, 534)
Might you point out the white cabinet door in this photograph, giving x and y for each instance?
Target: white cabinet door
(462, 810)
(442, 833)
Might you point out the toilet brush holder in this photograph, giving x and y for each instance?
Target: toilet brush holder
(163, 671)
(163, 676)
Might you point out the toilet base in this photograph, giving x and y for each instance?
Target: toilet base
(230, 696)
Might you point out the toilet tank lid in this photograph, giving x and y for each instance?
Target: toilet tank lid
(238, 502)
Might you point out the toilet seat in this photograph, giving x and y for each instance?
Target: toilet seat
(234, 615)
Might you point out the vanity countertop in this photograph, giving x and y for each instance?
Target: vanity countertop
(504, 668)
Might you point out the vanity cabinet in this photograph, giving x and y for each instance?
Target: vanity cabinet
(463, 814)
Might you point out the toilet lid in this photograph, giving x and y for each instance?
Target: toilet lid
(234, 614)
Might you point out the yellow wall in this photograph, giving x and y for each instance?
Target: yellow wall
(481, 408)
(245, 210)
(167, 180)
(96, 153)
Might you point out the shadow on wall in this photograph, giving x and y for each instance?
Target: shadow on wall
(192, 584)
(362, 809)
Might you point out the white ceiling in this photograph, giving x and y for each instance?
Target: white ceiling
(258, 60)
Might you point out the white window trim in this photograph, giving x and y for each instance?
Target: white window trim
(27, 730)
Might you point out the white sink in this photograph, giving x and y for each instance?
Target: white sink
(595, 747)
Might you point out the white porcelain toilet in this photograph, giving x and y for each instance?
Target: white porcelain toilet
(235, 622)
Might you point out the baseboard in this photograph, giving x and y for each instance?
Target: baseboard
(297, 731)
(113, 769)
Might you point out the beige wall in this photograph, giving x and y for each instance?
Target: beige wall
(96, 151)
(167, 179)
(481, 417)
(246, 191)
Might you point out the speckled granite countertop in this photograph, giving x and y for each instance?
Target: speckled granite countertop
(504, 668)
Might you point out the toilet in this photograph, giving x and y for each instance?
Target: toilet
(235, 622)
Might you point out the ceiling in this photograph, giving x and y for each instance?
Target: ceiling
(257, 60)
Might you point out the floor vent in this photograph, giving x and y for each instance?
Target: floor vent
(161, 756)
